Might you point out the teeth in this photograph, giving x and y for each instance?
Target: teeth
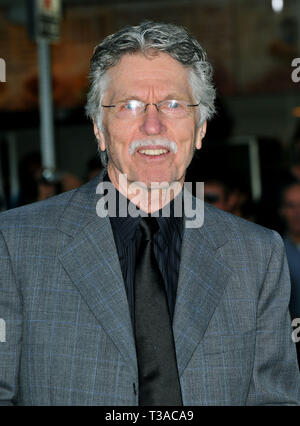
(153, 151)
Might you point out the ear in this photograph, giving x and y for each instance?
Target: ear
(200, 133)
(100, 137)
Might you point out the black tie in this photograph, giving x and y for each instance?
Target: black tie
(158, 375)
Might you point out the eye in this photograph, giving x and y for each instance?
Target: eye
(173, 105)
(132, 105)
(129, 109)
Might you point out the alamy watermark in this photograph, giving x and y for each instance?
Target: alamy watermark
(2, 331)
(296, 72)
(2, 71)
(185, 204)
(296, 331)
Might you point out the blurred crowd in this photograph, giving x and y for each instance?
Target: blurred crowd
(278, 208)
(37, 184)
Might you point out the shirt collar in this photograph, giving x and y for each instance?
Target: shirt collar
(125, 227)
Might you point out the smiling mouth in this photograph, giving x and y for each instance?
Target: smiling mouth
(154, 153)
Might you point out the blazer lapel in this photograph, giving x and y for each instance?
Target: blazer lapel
(91, 261)
(203, 277)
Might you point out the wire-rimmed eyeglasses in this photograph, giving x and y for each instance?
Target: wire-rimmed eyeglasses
(133, 108)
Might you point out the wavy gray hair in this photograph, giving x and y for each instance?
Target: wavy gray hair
(149, 38)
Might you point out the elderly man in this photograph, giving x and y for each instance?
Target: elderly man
(144, 309)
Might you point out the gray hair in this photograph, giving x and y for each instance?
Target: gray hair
(149, 38)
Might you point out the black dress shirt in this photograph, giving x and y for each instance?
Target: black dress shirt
(167, 247)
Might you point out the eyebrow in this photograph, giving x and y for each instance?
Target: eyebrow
(138, 98)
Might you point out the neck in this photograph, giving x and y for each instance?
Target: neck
(149, 198)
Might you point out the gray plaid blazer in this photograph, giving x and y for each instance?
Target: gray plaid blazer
(68, 334)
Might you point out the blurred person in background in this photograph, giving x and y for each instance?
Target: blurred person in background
(69, 181)
(240, 201)
(35, 186)
(54, 185)
(229, 196)
(290, 212)
(47, 188)
(216, 193)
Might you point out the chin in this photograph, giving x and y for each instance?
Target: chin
(158, 180)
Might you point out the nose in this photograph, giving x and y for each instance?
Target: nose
(152, 123)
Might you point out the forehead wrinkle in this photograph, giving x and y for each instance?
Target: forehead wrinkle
(150, 94)
(130, 79)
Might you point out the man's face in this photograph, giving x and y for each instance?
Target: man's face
(291, 209)
(150, 80)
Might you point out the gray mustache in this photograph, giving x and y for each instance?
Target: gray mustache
(171, 145)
